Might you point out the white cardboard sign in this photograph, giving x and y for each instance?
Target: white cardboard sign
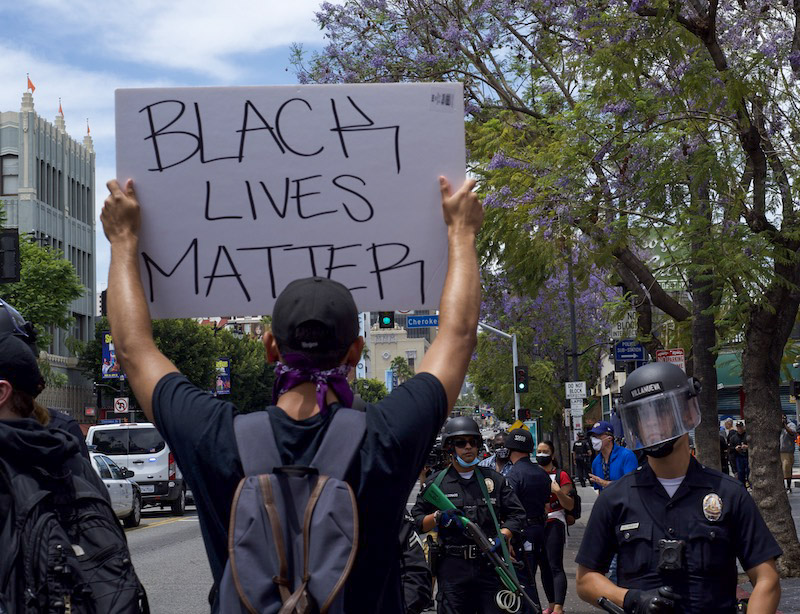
(246, 189)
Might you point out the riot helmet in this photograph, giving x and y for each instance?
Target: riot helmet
(464, 426)
(520, 440)
(11, 321)
(659, 404)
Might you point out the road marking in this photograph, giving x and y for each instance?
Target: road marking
(192, 519)
(161, 522)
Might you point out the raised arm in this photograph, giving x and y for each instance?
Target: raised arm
(459, 308)
(131, 329)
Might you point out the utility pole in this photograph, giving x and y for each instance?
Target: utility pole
(513, 338)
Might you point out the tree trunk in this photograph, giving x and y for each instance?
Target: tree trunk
(766, 335)
(704, 332)
(562, 444)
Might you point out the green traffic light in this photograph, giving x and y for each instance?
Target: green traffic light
(386, 320)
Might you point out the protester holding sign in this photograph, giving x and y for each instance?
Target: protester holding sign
(315, 339)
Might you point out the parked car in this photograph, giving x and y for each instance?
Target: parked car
(141, 448)
(126, 498)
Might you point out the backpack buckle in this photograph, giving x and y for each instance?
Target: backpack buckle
(471, 551)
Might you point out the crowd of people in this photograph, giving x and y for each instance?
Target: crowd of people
(301, 505)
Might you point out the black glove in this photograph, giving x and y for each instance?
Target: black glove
(661, 601)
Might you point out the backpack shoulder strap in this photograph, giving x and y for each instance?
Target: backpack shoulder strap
(341, 442)
(256, 443)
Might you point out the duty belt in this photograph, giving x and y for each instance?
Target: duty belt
(463, 552)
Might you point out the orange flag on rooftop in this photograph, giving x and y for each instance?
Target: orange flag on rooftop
(31, 86)
(60, 111)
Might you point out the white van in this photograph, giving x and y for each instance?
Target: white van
(141, 448)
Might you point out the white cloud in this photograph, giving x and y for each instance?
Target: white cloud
(202, 36)
(218, 43)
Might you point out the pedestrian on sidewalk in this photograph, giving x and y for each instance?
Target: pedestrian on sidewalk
(554, 580)
(315, 341)
(788, 436)
(739, 443)
(676, 526)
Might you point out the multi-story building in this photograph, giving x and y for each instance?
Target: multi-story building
(47, 183)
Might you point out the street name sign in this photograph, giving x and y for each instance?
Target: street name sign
(422, 321)
(575, 390)
(244, 189)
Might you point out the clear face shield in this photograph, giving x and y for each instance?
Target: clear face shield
(655, 419)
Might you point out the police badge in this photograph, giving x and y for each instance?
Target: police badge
(712, 507)
(489, 485)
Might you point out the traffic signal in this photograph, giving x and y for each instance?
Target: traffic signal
(523, 414)
(386, 319)
(521, 379)
(9, 255)
(104, 303)
(794, 389)
(477, 409)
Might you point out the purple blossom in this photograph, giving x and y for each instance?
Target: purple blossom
(794, 60)
(617, 108)
(500, 160)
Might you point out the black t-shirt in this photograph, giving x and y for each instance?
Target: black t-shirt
(400, 431)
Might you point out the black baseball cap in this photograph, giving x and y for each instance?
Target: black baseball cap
(315, 299)
(18, 365)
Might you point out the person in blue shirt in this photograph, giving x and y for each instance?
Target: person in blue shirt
(612, 461)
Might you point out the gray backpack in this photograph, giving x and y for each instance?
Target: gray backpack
(293, 531)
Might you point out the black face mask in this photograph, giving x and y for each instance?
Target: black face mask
(661, 450)
(544, 459)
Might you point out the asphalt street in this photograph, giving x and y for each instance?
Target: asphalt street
(169, 557)
(168, 554)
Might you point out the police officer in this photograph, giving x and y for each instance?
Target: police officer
(415, 573)
(467, 583)
(582, 455)
(677, 526)
(532, 485)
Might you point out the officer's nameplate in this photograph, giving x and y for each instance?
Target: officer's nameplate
(629, 527)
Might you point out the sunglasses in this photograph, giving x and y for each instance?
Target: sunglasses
(462, 443)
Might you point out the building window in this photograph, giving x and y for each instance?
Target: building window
(9, 175)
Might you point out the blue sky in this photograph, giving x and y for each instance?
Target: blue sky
(82, 50)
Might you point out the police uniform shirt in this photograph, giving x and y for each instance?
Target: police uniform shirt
(532, 486)
(710, 512)
(467, 496)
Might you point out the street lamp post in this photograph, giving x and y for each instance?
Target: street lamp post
(513, 338)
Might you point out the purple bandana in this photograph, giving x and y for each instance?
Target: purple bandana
(296, 370)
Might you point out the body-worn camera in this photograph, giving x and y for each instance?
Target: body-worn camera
(670, 554)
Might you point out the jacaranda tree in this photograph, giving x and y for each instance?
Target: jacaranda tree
(619, 124)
